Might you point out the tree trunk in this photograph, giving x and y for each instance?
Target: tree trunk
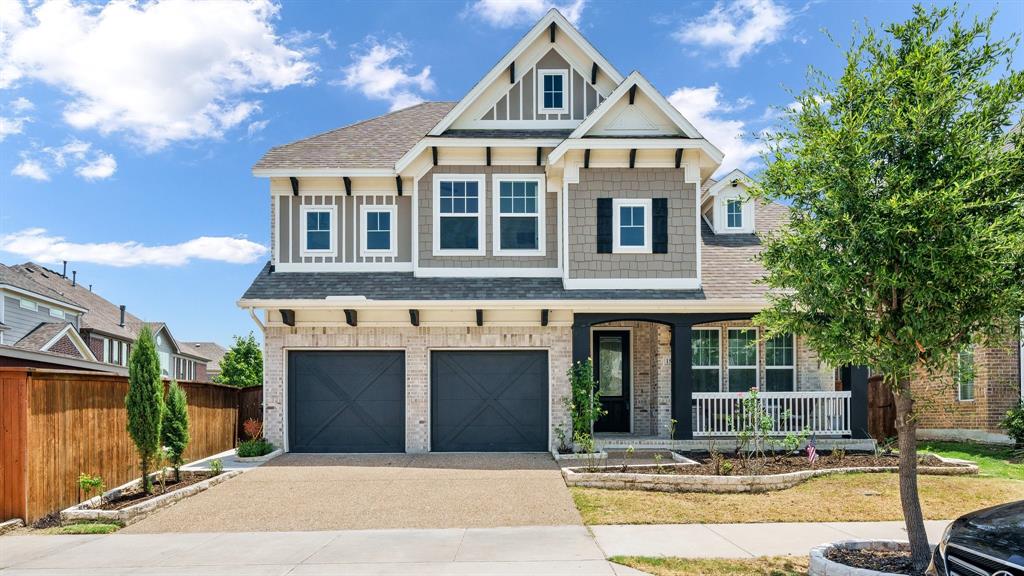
(146, 486)
(906, 428)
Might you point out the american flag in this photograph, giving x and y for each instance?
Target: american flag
(812, 451)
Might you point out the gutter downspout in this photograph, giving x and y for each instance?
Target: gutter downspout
(256, 319)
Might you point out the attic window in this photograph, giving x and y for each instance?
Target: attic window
(551, 91)
(734, 213)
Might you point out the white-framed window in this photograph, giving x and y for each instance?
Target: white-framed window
(28, 305)
(734, 213)
(57, 313)
(780, 364)
(518, 226)
(115, 352)
(552, 91)
(459, 207)
(706, 359)
(380, 231)
(965, 375)
(105, 343)
(742, 359)
(165, 362)
(318, 230)
(631, 226)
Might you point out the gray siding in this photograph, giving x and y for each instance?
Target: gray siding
(21, 321)
(681, 259)
(426, 223)
(289, 227)
(519, 102)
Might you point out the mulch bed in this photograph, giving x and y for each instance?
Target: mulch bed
(135, 495)
(893, 561)
(773, 464)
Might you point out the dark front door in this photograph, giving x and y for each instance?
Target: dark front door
(489, 401)
(613, 370)
(346, 401)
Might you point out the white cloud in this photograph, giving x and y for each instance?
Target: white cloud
(738, 28)
(101, 167)
(9, 126)
(161, 71)
(29, 168)
(36, 244)
(704, 108)
(21, 104)
(509, 13)
(256, 127)
(377, 72)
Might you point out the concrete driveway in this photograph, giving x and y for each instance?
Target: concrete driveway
(346, 492)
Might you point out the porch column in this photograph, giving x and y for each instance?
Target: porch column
(580, 341)
(682, 380)
(858, 383)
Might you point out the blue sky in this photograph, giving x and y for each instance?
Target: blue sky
(128, 131)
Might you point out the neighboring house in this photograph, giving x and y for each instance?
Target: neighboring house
(435, 272)
(210, 350)
(106, 332)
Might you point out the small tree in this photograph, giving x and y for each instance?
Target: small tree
(242, 364)
(584, 401)
(906, 234)
(175, 426)
(145, 402)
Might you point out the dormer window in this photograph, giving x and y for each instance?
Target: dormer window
(551, 91)
(317, 227)
(734, 213)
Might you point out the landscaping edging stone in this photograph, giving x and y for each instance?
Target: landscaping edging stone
(86, 511)
(822, 566)
(579, 457)
(12, 524)
(604, 477)
(266, 457)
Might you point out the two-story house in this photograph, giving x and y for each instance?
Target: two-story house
(436, 271)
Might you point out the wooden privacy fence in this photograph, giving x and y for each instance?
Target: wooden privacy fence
(250, 405)
(881, 410)
(55, 424)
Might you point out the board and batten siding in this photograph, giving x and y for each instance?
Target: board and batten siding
(520, 101)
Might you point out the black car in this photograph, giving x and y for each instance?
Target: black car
(988, 542)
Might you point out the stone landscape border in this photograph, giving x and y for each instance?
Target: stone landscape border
(579, 457)
(265, 458)
(822, 566)
(87, 511)
(609, 477)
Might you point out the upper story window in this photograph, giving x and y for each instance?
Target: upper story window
(458, 218)
(734, 213)
(631, 226)
(551, 88)
(965, 374)
(519, 215)
(28, 305)
(742, 359)
(317, 231)
(56, 313)
(706, 362)
(780, 364)
(379, 231)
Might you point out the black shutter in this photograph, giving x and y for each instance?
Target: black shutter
(659, 222)
(604, 225)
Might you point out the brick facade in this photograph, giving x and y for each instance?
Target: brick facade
(996, 390)
(66, 347)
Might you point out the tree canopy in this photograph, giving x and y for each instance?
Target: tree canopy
(242, 365)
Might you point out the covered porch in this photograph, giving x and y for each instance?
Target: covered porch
(679, 381)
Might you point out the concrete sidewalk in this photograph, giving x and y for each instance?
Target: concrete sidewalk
(530, 551)
(744, 540)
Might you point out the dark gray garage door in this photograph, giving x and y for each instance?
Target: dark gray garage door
(346, 401)
(489, 401)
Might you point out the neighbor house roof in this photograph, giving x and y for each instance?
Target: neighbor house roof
(376, 143)
(40, 336)
(209, 350)
(12, 276)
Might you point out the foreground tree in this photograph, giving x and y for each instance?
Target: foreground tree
(145, 402)
(906, 234)
(242, 364)
(174, 428)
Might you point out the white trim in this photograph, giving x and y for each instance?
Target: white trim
(638, 143)
(332, 233)
(430, 272)
(344, 267)
(323, 172)
(631, 284)
(26, 304)
(409, 157)
(71, 333)
(718, 338)
(541, 73)
(541, 27)
(782, 367)
(757, 354)
(496, 215)
(738, 175)
(364, 211)
(581, 305)
(480, 179)
(647, 205)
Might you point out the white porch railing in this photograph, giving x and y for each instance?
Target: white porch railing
(823, 413)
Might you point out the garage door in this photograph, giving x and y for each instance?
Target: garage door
(346, 401)
(489, 401)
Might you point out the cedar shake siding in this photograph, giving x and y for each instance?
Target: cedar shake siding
(680, 261)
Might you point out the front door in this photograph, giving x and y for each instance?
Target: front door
(612, 368)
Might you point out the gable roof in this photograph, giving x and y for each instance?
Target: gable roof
(374, 145)
(541, 27)
(637, 79)
(13, 278)
(212, 351)
(46, 334)
(737, 175)
(729, 266)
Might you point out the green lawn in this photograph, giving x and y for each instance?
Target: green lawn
(85, 528)
(770, 566)
(995, 461)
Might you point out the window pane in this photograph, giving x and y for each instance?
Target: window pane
(743, 347)
(625, 216)
(705, 348)
(556, 82)
(472, 205)
(318, 240)
(458, 189)
(638, 215)
(471, 189)
(610, 378)
(446, 189)
(378, 240)
(549, 100)
(778, 350)
(372, 221)
(311, 221)
(459, 233)
(506, 189)
(325, 221)
(742, 379)
(519, 233)
(705, 380)
(965, 374)
(384, 220)
(548, 83)
(779, 380)
(631, 236)
(735, 214)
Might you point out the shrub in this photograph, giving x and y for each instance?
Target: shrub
(216, 467)
(144, 402)
(253, 428)
(584, 402)
(254, 447)
(89, 484)
(1013, 424)
(175, 427)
